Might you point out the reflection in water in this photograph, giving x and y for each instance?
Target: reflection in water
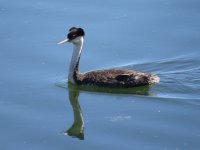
(77, 128)
(141, 90)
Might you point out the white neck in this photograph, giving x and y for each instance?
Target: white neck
(77, 49)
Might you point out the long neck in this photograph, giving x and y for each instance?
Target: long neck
(77, 49)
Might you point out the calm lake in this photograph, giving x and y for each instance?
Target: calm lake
(158, 36)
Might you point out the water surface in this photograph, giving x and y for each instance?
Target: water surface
(159, 36)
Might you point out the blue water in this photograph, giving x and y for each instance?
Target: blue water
(159, 36)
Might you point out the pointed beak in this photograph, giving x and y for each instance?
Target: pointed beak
(64, 41)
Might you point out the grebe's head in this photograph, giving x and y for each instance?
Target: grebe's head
(74, 36)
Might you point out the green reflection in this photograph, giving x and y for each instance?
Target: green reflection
(140, 90)
(77, 128)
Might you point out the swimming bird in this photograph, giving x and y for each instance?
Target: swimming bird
(112, 78)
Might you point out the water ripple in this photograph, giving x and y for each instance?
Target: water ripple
(179, 76)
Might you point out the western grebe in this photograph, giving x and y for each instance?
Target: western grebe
(103, 78)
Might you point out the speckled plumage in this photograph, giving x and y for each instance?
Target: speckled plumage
(115, 78)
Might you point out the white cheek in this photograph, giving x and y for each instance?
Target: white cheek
(77, 40)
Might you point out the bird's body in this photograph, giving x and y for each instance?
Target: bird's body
(103, 78)
(115, 78)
